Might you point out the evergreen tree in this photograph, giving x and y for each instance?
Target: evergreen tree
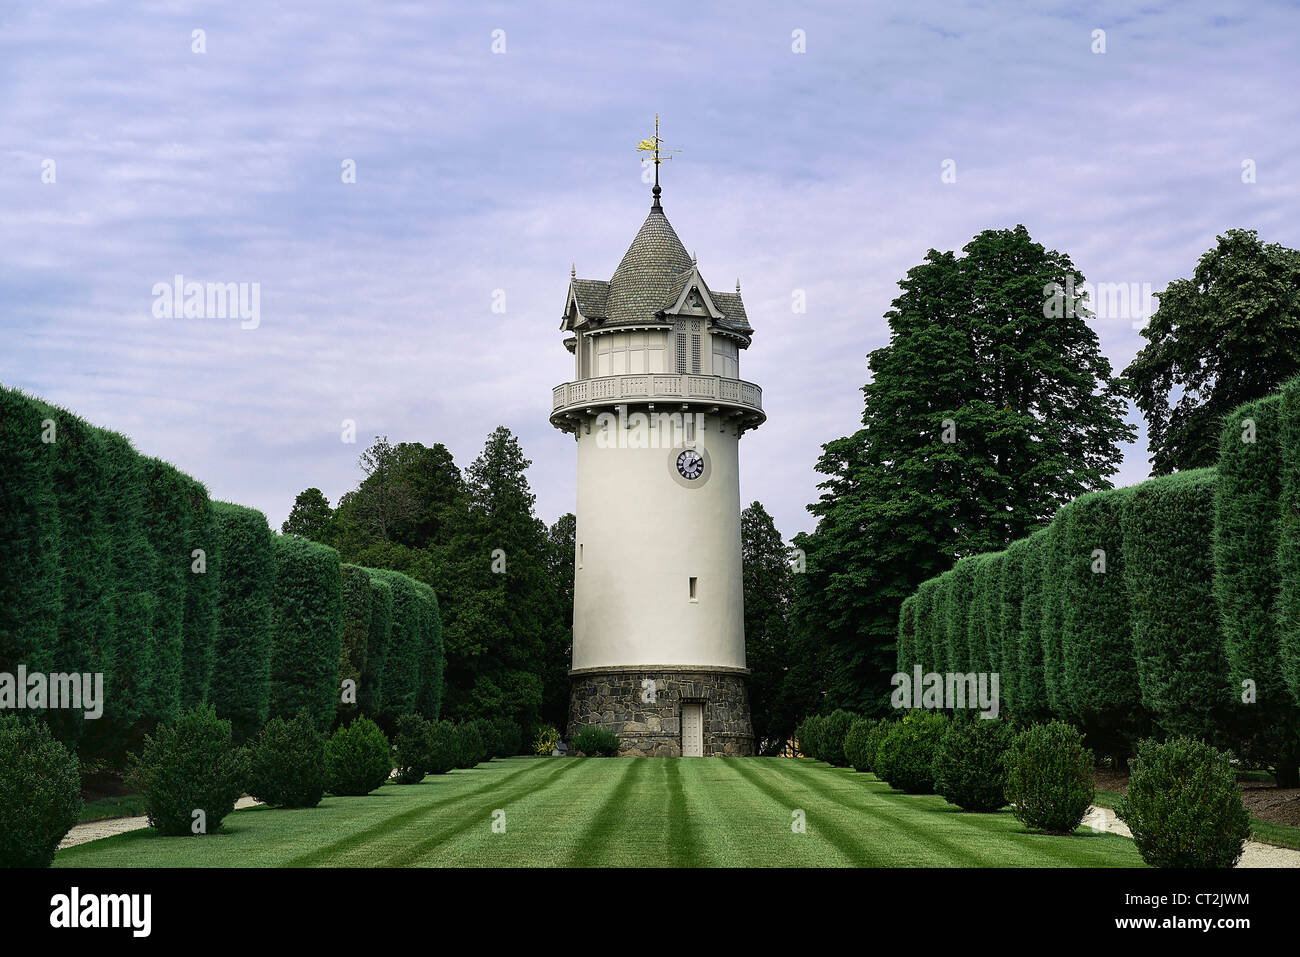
(311, 517)
(767, 584)
(990, 407)
(1224, 337)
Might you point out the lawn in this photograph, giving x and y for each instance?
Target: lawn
(629, 812)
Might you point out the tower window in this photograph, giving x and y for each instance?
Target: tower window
(694, 589)
(579, 554)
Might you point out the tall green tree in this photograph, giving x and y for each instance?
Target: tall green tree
(1223, 337)
(991, 406)
(559, 656)
(311, 517)
(768, 592)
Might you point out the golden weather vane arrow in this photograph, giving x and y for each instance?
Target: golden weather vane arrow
(655, 145)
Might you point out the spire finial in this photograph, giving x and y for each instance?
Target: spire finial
(573, 270)
(738, 285)
(654, 145)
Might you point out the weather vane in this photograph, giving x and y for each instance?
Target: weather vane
(655, 145)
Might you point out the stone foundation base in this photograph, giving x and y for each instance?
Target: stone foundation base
(643, 706)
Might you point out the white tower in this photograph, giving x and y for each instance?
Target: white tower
(658, 407)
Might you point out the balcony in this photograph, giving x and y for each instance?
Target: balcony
(571, 400)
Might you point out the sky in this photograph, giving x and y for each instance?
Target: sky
(825, 148)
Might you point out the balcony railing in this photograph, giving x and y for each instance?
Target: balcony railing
(655, 387)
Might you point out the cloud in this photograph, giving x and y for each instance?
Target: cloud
(478, 172)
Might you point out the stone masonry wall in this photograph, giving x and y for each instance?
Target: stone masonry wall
(649, 724)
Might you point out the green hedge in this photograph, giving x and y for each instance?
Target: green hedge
(1009, 613)
(433, 660)
(1168, 527)
(1052, 611)
(1098, 675)
(1288, 599)
(199, 629)
(241, 674)
(1031, 686)
(357, 604)
(400, 679)
(926, 636)
(308, 624)
(958, 598)
(85, 619)
(30, 546)
(905, 651)
(377, 640)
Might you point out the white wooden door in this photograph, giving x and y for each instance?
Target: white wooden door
(692, 729)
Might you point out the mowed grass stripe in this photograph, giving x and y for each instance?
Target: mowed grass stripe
(463, 818)
(983, 835)
(323, 855)
(887, 816)
(821, 822)
(611, 823)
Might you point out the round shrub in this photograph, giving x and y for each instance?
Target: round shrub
(413, 734)
(905, 759)
(469, 745)
(834, 729)
(871, 747)
(40, 793)
(969, 767)
(442, 747)
(190, 766)
(596, 742)
(809, 737)
(1183, 806)
(1049, 778)
(357, 758)
(287, 763)
(855, 744)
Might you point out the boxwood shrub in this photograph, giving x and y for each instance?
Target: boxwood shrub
(905, 759)
(855, 744)
(834, 729)
(189, 766)
(40, 792)
(357, 758)
(412, 749)
(287, 763)
(969, 765)
(470, 749)
(1050, 782)
(1183, 805)
(442, 748)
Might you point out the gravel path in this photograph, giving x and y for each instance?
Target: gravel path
(94, 830)
(1256, 854)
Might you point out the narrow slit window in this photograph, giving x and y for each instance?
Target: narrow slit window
(579, 554)
(694, 590)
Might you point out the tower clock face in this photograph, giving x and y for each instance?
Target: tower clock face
(690, 465)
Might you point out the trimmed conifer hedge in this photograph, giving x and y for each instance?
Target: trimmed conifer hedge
(1177, 643)
(199, 628)
(307, 630)
(357, 601)
(1052, 612)
(1031, 688)
(241, 674)
(1288, 599)
(905, 644)
(378, 638)
(30, 546)
(1098, 677)
(1009, 611)
(429, 698)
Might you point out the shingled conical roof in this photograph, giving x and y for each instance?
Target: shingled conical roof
(651, 268)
